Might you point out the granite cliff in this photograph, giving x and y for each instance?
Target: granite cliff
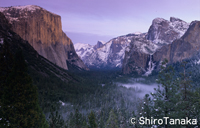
(37, 64)
(43, 30)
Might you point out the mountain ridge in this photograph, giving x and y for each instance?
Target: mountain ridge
(113, 53)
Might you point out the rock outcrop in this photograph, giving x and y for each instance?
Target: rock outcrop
(43, 30)
(137, 55)
(99, 44)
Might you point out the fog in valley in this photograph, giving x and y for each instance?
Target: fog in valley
(140, 88)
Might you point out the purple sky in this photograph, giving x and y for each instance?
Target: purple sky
(87, 21)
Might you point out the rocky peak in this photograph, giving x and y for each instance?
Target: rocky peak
(164, 32)
(159, 21)
(99, 44)
(43, 30)
(174, 19)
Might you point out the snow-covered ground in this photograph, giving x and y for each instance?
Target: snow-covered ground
(1, 40)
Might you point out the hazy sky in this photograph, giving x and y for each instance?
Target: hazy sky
(87, 21)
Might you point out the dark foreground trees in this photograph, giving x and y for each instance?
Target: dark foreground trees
(175, 98)
(19, 106)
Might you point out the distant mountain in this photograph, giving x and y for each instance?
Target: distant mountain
(43, 30)
(137, 46)
(104, 55)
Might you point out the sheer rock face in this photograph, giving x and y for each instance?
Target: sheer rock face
(137, 55)
(35, 62)
(43, 30)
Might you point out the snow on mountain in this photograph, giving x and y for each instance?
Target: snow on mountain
(30, 8)
(26, 7)
(104, 51)
(79, 46)
(165, 32)
(104, 55)
(20, 10)
(103, 42)
(83, 49)
(137, 33)
(143, 45)
(179, 25)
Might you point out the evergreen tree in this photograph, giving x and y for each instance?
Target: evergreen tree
(185, 105)
(196, 107)
(147, 106)
(19, 98)
(55, 120)
(77, 120)
(112, 120)
(92, 121)
(101, 123)
(6, 64)
(173, 98)
(166, 95)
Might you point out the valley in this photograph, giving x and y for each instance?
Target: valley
(152, 74)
